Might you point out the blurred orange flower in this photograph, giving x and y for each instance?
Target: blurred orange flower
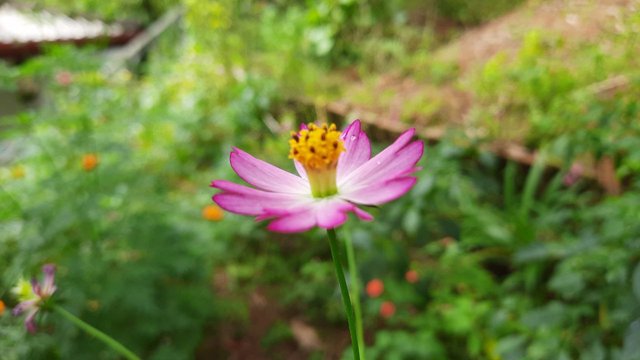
(212, 213)
(411, 276)
(387, 309)
(2, 307)
(89, 161)
(375, 288)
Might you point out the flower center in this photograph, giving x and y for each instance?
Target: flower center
(318, 148)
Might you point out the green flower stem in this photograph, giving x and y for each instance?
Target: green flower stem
(116, 346)
(355, 292)
(335, 254)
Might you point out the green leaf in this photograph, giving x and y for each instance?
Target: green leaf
(635, 281)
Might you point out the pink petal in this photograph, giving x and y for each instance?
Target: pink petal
(30, 321)
(300, 169)
(232, 187)
(327, 214)
(405, 159)
(363, 215)
(381, 193)
(24, 306)
(357, 149)
(35, 287)
(370, 167)
(332, 213)
(401, 165)
(393, 162)
(48, 285)
(266, 176)
(294, 222)
(244, 200)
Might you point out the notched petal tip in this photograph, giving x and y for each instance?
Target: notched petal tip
(235, 151)
(357, 150)
(355, 123)
(354, 127)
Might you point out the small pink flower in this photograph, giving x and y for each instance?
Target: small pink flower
(336, 175)
(574, 174)
(64, 78)
(33, 299)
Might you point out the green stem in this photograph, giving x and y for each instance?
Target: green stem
(355, 292)
(96, 333)
(335, 254)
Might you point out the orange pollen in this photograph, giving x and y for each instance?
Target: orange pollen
(317, 148)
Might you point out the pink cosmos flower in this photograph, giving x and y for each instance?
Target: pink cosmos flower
(336, 174)
(34, 298)
(573, 175)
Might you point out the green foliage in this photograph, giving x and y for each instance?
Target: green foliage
(511, 262)
(398, 345)
(278, 333)
(137, 10)
(540, 277)
(473, 12)
(542, 98)
(133, 259)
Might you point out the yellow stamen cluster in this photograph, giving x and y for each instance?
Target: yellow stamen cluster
(316, 148)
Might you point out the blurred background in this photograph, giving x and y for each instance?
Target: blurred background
(521, 239)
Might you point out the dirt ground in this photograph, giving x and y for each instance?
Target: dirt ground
(389, 101)
(574, 21)
(245, 339)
